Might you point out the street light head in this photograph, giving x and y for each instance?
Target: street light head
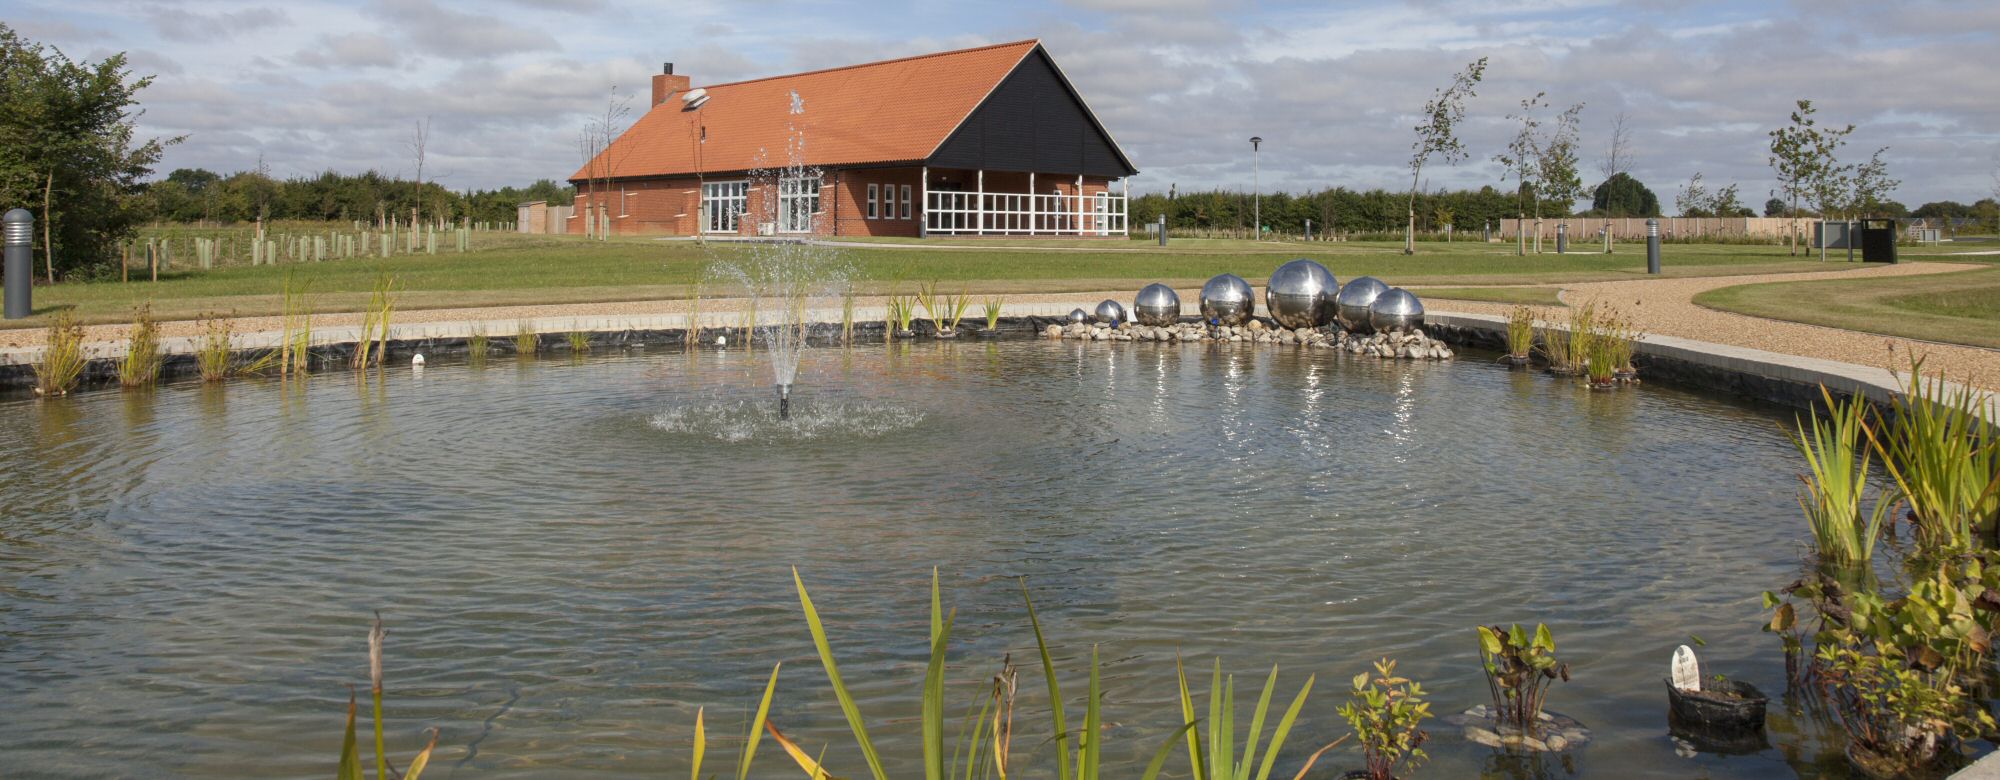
(1254, 141)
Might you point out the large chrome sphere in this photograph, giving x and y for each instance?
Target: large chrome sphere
(1354, 299)
(1397, 309)
(1228, 300)
(1110, 312)
(1157, 305)
(1301, 294)
(1078, 316)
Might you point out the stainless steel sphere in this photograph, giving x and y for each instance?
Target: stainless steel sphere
(1157, 305)
(1397, 309)
(1301, 294)
(1228, 300)
(1110, 312)
(1353, 301)
(1078, 316)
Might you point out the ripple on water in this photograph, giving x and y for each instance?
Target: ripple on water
(746, 420)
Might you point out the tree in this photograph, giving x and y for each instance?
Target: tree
(68, 144)
(420, 141)
(1775, 207)
(1802, 157)
(1562, 185)
(1618, 157)
(1694, 200)
(1437, 136)
(1624, 196)
(1519, 160)
(1868, 189)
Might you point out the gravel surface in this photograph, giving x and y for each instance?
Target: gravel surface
(1659, 306)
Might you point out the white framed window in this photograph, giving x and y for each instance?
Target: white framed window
(874, 199)
(723, 203)
(798, 201)
(906, 201)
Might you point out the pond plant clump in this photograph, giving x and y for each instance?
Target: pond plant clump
(1520, 667)
(1387, 714)
(60, 365)
(1899, 657)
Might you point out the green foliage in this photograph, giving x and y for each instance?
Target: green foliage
(1437, 134)
(579, 341)
(61, 361)
(1837, 455)
(68, 136)
(1899, 673)
(1519, 669)
(1520, 331)
(374, 341)
(1387, 714)
(191, 195)
(141, 363)
(1802, 156)
(1217, 758)
(1944, 457)
(1624, 196)
(993, 313)
(213, 353)
(525, 340)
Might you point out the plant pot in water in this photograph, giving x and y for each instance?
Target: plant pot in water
(947, 333)
(906, 334)
(1725, 712)
(1625, 375)
(1517, 361)
(1869, 764)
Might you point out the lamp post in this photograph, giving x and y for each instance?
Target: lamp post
(1257, 193)
(20, 263)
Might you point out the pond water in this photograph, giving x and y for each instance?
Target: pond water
(572, 556)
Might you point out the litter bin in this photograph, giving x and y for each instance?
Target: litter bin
(1878, 240)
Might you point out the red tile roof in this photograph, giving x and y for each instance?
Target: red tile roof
(879, 112)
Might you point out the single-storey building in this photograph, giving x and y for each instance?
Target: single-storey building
(991, 141)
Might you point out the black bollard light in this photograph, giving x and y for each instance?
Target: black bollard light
(19, 267)
(1652, 246)
(1163, 229)
(1562, 237)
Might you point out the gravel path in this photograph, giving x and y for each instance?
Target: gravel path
(1660, 306)
(1666, 307)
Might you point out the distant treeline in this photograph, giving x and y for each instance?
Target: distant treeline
(200, 195)
(1339, 209)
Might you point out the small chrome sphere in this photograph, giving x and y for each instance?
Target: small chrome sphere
(1301, 294)
(1110, 312)
(1228, 300)
(1397, 309)
(1157, 305)
(1353, 301)
(1078, 316)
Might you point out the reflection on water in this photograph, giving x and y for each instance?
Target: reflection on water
(573, 556)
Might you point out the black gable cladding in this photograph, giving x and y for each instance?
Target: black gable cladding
(1032, 123)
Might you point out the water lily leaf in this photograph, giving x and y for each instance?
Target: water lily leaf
(1489, 640)
(1544, 640)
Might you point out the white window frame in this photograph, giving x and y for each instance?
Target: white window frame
(734, 199)
(906, 201)
(874, 196)
(790, 192)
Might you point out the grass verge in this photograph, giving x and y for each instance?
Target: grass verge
(1957, 308)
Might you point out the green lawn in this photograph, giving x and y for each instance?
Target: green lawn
(1960, 308)
(515, 270)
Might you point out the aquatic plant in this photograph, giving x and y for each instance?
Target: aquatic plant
(993, 313)
(212, 352)
(295, 355)
(579, 341)
(1555, 349)
(60, 364)
(1944, 458)
(1519, 670)
(525, 341)
(1216, 758)
(1582, 341)
(998, 707)
(1387, 714)
(1615, 340)
(691, 333)
(350, 752)
(476, 343)
(141, 363)
(847, 315)
(944, 310)
(1520, 333)
(1837, 454)
(375, 321)
(901, 311)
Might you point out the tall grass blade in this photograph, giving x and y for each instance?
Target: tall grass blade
(805, 762)
(840, 692)
(350, 752)
(1091, 752)
(700, 743)
(1195, 761)
(1055, 689)
(1166, 749)
(1285, 730)
(1257, 725)
(933, 717)
(757, 725)
(423, 759)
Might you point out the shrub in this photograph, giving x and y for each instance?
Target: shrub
(60, 365)
(1387, 714)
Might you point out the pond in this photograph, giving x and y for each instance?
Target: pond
(574, 555)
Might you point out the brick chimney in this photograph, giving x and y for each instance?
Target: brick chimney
(667, 84)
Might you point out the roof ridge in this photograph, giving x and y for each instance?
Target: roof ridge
(1036, 41)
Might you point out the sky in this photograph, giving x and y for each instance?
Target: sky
(1333, 87)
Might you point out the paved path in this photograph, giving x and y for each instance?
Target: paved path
(1660, 306)
(1666, 307)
